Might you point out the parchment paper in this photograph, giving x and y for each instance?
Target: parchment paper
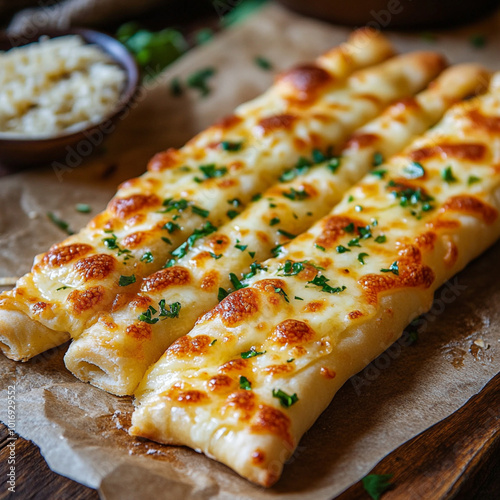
(82, 431)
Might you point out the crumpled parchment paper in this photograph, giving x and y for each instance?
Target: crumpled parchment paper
(81, 430)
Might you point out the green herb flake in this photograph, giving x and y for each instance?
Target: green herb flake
(245, 383)
(378, 159)
(296, 195)
(376, 484)
(237, 284)
(263, 63)
(291, 360)
(256, 197)
(350, 198)
(334, 164)
(222, 294)
(214, 256)
(59, 223)
(126, 280)
(166, 240)
(285, 399)
(394, 269)
(232, 214)
(276, 250)
(286, 234)
(235, 202)
(62, 288)
(361, 258)
(381, 238)
(472, 180)
(200, 211)
(210, 172)
(353, 243)
(251, 353)
(83, 208)
(199, 80)
(254, 267)
(147, 258)
(171, 227)
(447, 175)
(342, 249)
(414, 170)
(298, 298)
(358, 208)
(147, 317)
(319, 247)
(274, 221)
(252, 254)
(379, 173)
(321, 281)
(172, 311)
(213, 342)
(282, 292)
(349, 228)
(240, 247)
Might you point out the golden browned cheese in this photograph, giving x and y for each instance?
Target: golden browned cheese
(396, 236)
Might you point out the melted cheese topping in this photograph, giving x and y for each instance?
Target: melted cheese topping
(111, 356)
(258, 369)
(230, 159)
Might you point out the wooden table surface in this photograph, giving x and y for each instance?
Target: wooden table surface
(457, 458)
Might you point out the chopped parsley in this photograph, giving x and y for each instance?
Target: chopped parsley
(210, 172)
(298, 298)
(59, 223)
(110, 242)
(274, 221)
(380, 173)
(381, 238)
(237, 284)
(394, 269)
(171, 227)
(321, 281)
(252, 254)
(414, 170)
(166, 240)
(263, 63)
(319, 247)
(172, 311)
(447, 175)
(285, 399)
(173, 204)
(291, 360)
(235, 202)
(277, 250)
(365, 232)
(342, 249)
(415, 199)
(286, 234)
(251, 353)
(350, 198)
(291, 268)
(62, 288)
(353, 243)
(232, 214)
(223, 293)
(147, 258)
(126, 280)
(378, 159)
(361, 258)
(349, 228)
(213, 342)
(254, 267)
(304, 164)
(200, 211)
(245, 383)
(282, 292)
(240, 247)
(231, 146)
(198, 80)
(472, 180)
(214, 256)
(181, 251)
(376, 484)
(296, 195)
(83, 208)
(147, 317)
(358, 208)
(334, 164)
(256, 197)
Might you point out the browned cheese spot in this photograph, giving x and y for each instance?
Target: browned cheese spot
(228, 122)
(464, 151)
(355, 314)
(164, 278)
(220, 383)
(135, 239)
(190, 397)
(333, 229)
(234, 365)
(83, 301)
(107, 321)
(471, 205)
(292, 331)
(63, 255)
(489, 123)
(361, 140)
(242, 402)
(258, 457)
(139, 331)
(120, 300)
(276, 122)
(269, 420)
(451, 255)
(95, 267)
(188, 346)
(314, 306)
(426, 240)
(237, 307)
(279, 369)
(210, 280)
(141, 302)
(125, 207)
(327, 373)
(164, 160)
(38, 308)
(218, 242)
(306, 80)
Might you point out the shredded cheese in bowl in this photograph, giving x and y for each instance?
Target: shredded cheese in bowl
(56, 86)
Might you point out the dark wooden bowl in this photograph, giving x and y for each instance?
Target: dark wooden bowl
(390, 14)
(79, 144)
